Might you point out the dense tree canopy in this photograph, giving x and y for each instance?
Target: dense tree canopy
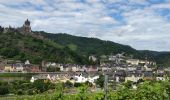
(17, 46)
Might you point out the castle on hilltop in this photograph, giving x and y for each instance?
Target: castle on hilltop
(25, 29)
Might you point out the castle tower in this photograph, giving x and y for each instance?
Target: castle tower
(26, 26)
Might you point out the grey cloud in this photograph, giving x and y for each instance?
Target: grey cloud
(142, 28)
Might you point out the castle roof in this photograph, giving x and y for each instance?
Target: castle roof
(27, 22)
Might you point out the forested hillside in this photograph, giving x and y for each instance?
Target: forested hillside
(14, 45)
(64, 48)
(88, 46)
(161, 58)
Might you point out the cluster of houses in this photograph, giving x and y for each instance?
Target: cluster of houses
(18, 66)
(64, 77)
(119, 68)
(68, 67)
(122, 69)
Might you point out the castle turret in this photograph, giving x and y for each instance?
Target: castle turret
(26, 26)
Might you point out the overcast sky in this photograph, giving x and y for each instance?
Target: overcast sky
(142, 24)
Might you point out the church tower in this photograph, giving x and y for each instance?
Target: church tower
(27, 27)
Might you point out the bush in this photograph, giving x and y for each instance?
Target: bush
(42, 85)
(32, 91)
(78, 84)
(83, 94)
(88, 84)
(68, 84)
(4, 90)
(20, 92)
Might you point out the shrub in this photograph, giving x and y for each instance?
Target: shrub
(32, 91)
(68, 84)
(20, 92)
(78, 84)
(42, 85)
(4, 90)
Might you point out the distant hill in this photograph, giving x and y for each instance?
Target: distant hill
(88, 46)
(162, 58)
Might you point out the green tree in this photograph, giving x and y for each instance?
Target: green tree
(100, 81)
(58, 92)
(42, 85)
(83, 93)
